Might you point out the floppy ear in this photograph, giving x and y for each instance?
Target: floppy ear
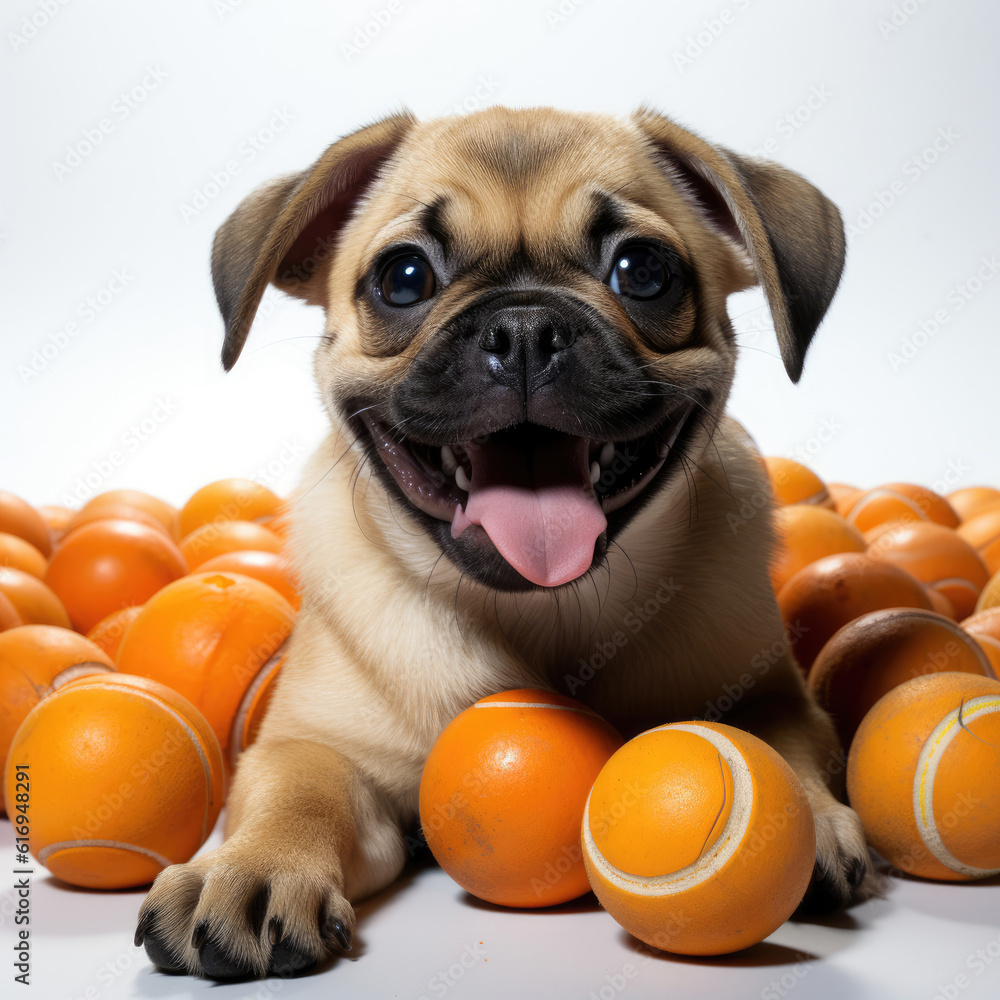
(285, 231)
(793, 233)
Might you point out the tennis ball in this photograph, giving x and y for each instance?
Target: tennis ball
(900, 502)
(228, 500)
(984, 627)
(271, 568)
(22, 555)
(34, 661)
(18, 517)
(122, 777)
(698, 838)
(209, 636)
(503, 791)
(793, 482)
(807, 533)
(214, 539)
(871, 655)
(982, 532)
(34, 601)
(109, 632)
(922, 776)
(167, 514)
(973, 500)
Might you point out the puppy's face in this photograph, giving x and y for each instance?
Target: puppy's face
(526, 329)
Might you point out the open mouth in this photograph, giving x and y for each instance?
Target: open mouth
(541, 495)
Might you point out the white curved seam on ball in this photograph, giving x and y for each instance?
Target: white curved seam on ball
(878, 495)
(989, 639)
(66, 845)
(239, 720)
(817, 498)
(957, 581)
(933, 750)
(71, 673)
(191, 731)
(726, 844)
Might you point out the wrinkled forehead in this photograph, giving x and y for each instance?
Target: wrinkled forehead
(506, 180)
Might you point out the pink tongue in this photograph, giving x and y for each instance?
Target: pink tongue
(539, 508)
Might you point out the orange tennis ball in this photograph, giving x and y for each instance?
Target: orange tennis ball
(209, 636)
(984, 627)
(937, 556)
(871, 655)
(989, 596)
(34, 661)
(121, 776)
(216, 538)
(982, 532)
(807, 533)
(56, 517)
(18, 517)
(503, 791)
(109, 632)
(922, 776)
(843, 496)
(698, 838)
(106, 565)
(166, 513)
(793, 482)
(900, 502)
(253, 706)
(16, 552)
(827, 594)
(271, 568)
(115, 512)
(973, 500)
(9, 618)
(35, 602)
(228, 500)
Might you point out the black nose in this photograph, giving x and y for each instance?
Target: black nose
(522, 343)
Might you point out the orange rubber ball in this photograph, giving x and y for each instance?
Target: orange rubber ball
(503, 792)
(209, 636)
(35, 602)
(829, 593)
(271, 568)
(937, 556)
(843, 496)
(900, 502)
(807, 533)
(989, 596)
(16, 552)
(109, 632)
(984, 627)
(871, 655)
(698, 838)
(793, 482)
(18, 517)
(56, 517)
(123, 777)
(106, 565)
(922, 776)
(35, 660)
(9, 618)
(115, 512)
(215, 539)
(166, 513)
(228, 500)
(982, 532)
(973, 500)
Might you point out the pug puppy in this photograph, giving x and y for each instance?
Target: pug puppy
(525, 363)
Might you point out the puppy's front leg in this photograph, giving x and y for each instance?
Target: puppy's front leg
(791, 722)
(306, 833)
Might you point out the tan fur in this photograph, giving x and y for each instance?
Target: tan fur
(392, 640)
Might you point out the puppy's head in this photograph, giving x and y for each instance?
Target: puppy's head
(526, 322)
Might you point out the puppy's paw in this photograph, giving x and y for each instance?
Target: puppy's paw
(844, 871)
(238, 912)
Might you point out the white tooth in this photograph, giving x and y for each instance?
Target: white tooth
(607, 454)
(462, 481)
(595, 472)
(448, 461)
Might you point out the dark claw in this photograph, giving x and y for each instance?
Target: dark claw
(286, 959)
(218, 964)
(275, 930)
(856, 872)
(339, 933)
(200, 932)
(258, 908)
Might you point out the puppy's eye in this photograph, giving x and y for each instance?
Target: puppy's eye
(639, 272)
(406, 280)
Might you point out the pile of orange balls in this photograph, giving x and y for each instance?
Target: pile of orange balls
(139, 645)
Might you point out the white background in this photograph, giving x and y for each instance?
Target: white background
(135, 396)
